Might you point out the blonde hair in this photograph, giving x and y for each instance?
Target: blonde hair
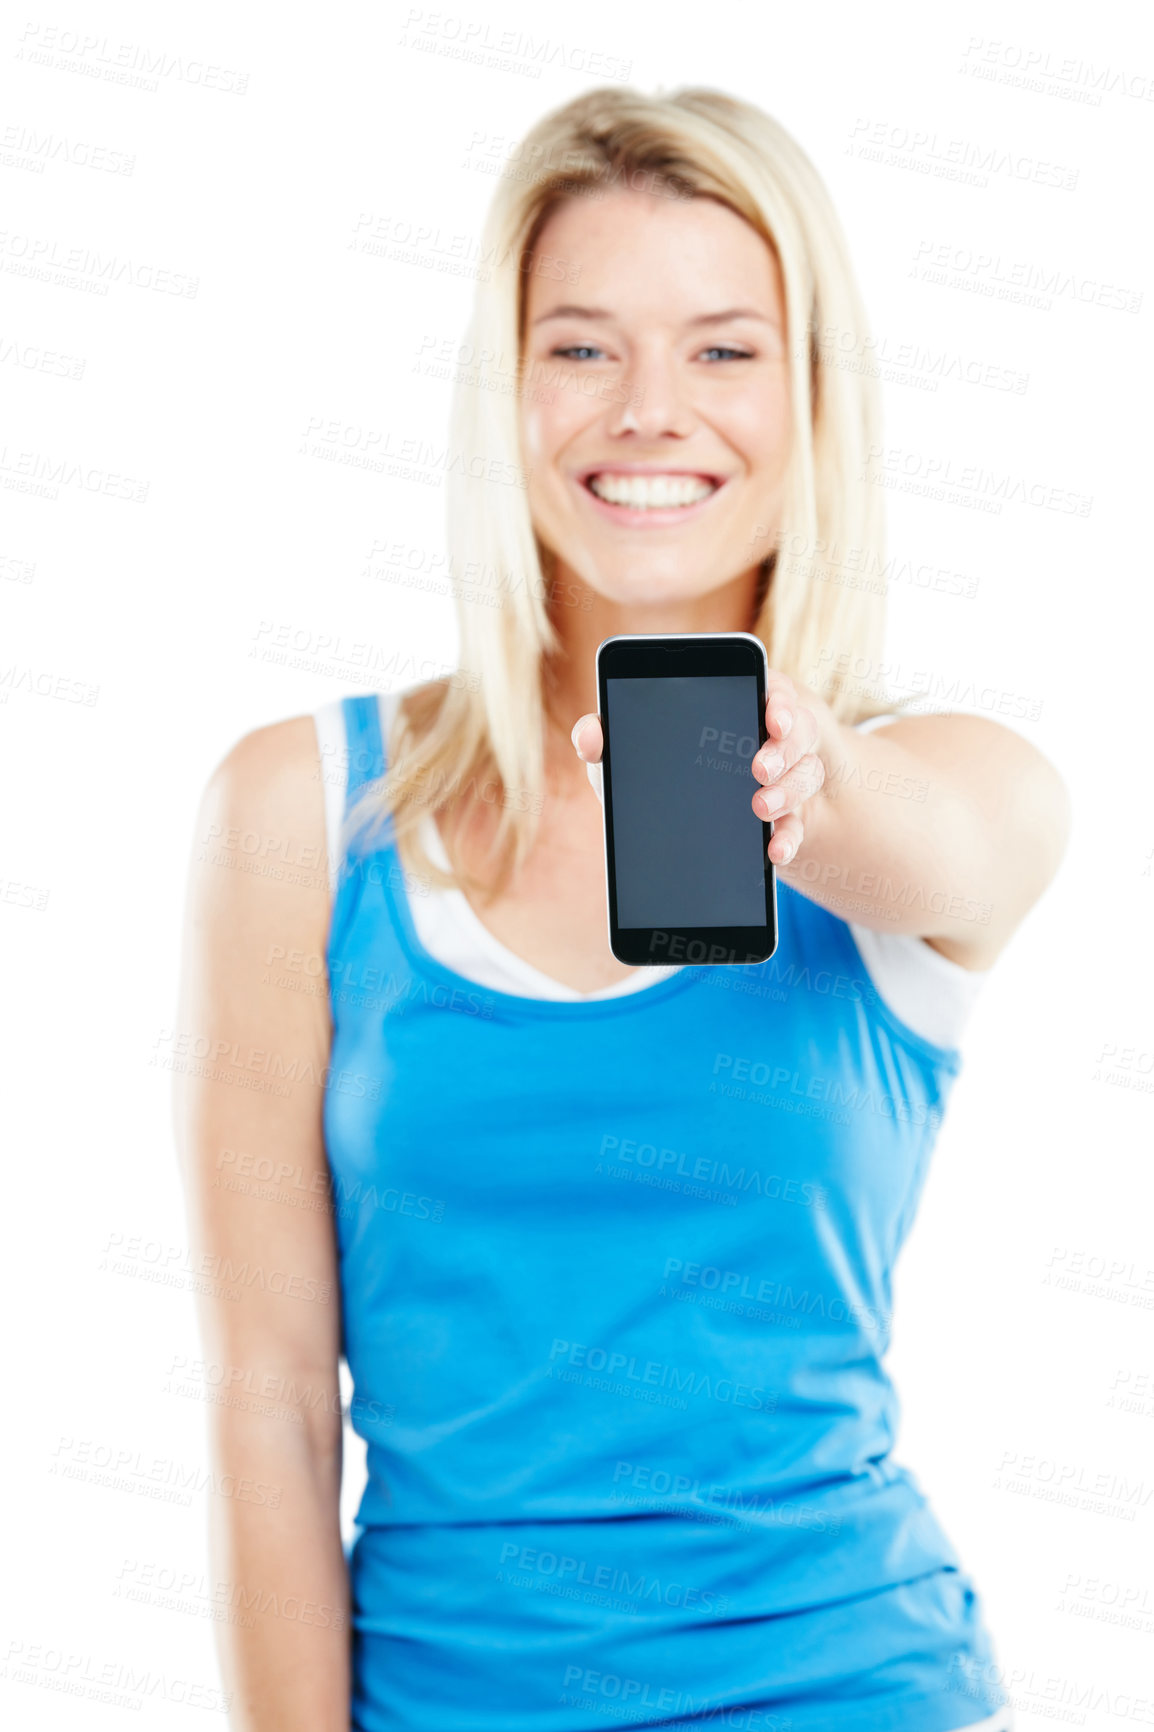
(484, 727)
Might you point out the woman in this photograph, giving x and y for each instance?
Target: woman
(608, 1250)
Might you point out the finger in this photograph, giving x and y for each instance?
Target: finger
(781, 704)
(787, 838)
(793, 790)
(777, 756)
(596, 777)
(587, 739)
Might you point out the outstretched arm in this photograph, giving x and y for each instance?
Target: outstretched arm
(948, 827)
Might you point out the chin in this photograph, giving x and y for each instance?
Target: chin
(644, 583)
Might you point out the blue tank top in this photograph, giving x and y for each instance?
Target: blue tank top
(615, 1279)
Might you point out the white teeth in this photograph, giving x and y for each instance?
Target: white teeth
(650, 492)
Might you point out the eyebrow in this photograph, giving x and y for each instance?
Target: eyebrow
(572, 312)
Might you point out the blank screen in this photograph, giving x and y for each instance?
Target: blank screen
(687, 844)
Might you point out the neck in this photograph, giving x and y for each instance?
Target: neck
(572, 685)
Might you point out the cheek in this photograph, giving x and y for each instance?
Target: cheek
(553, 412)
(759, 426)
(534, 432)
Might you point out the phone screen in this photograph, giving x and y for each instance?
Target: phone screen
(688, 845)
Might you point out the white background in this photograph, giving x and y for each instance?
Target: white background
(1013, 1385)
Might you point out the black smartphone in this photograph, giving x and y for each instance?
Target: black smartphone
(689, 879)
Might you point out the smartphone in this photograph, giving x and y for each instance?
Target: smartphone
(688, 876)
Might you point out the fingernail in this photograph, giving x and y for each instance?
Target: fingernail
(783, 722)
(573, 736)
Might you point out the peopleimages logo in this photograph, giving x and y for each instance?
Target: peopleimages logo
(659, 1375)
(734, 1283)
(825, 1090)
(562, 1573)
(658, 1489)
(630, 1695)
(704, 1169)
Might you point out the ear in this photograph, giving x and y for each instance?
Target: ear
(593, 771)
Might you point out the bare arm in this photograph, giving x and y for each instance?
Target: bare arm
(270, 1319)
(945, 826)
(948, 827)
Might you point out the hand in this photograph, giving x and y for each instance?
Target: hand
(789, 769)
(787, 766)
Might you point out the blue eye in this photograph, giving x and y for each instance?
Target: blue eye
(585, 351)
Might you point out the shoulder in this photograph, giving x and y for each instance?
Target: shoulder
(260, 836)
(271, 775)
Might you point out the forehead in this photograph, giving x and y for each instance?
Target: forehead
(642, 253)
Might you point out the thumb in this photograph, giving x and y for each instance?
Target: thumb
(586, 737)
(588, 741)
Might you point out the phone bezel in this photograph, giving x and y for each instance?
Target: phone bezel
(692, 654)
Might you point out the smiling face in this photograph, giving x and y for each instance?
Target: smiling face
(657, 467)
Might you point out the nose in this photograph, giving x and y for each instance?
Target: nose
(655, 403)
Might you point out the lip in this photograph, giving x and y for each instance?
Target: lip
(654, 518)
